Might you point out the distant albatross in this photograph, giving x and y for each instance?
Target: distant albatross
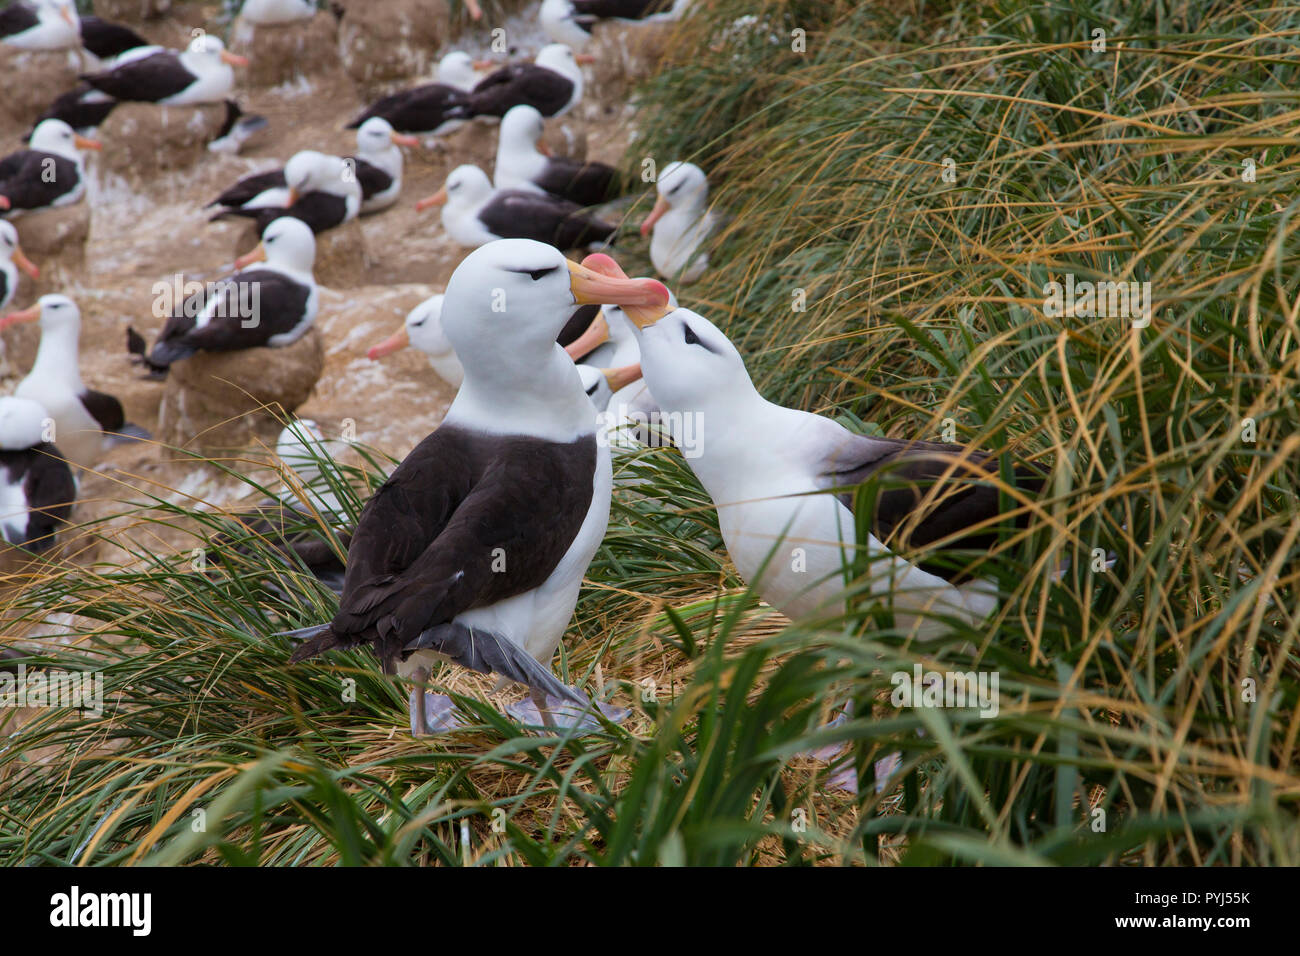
(200, 74)
(49, 172)
(323, 191)
(523, 163)
(43, 25)
(551, 84)
(280, 295)
(474, 213)
(82, 417)
(433, 108)
(475, 547)
(680, 223)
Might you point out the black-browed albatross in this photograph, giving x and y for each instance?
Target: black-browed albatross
(475, 547)
(763, 464)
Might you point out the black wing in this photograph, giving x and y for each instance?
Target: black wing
(292, 533)
(43, 178)
(105, 409)
(622, 9)
(76, 111)
(250, 187)
(148, 79)
(371, 178)
(465, 521)
(545, 90)
(927, 493)
(106, 39)
(49, 489)
(515, 214)
(419, 110)
(587, 184)
(280, 306)
(10, 165)
(16, 18)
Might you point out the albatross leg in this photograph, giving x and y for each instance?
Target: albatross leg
(845, 776)
(541, 709)
(430, 713)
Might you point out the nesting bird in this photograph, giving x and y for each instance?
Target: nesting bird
(523, 163)
(680, 223)
(473, 213)
(272, 304)
(321, 190)
(42, 25)
(202, 73)
(431, 108)
(49, 172)
(551, 84)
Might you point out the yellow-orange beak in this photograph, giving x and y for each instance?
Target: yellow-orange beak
(597, 334)
(234, 59)
(657, 213)
(639, 296)
(394, 343)
(544, 149)
(642, 315)
(437, 199)
(586, 59)
(247, 259)
(26, 315)
(401, 139)
(66, 13)
(4, 202)
(481, 65)
(475, 12)
(83, 143)
(293, 197)
(620, 377)
(22, 262)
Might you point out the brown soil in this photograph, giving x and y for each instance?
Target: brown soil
(143, 222)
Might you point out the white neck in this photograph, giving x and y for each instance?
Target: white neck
(57, 359)
(506, 397)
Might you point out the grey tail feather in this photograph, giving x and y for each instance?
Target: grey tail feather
(316, 639)
(490, 653)
(128, 433)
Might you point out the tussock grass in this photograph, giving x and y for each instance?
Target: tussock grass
(1162, 692)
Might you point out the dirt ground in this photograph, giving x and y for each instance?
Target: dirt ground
(146, 224)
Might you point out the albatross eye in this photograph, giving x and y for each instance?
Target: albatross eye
(691, 337)
(536, 274)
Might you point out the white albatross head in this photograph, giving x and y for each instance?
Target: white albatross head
(11, 251)
(422, 331)
(207, 52)
(56, 314)
(508, 300)
(467, 187)
(287, 243)
(457, 69)
(56, 136)
(680, 186)
(376, 136)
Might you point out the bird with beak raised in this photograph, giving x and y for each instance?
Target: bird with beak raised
(475, 547)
